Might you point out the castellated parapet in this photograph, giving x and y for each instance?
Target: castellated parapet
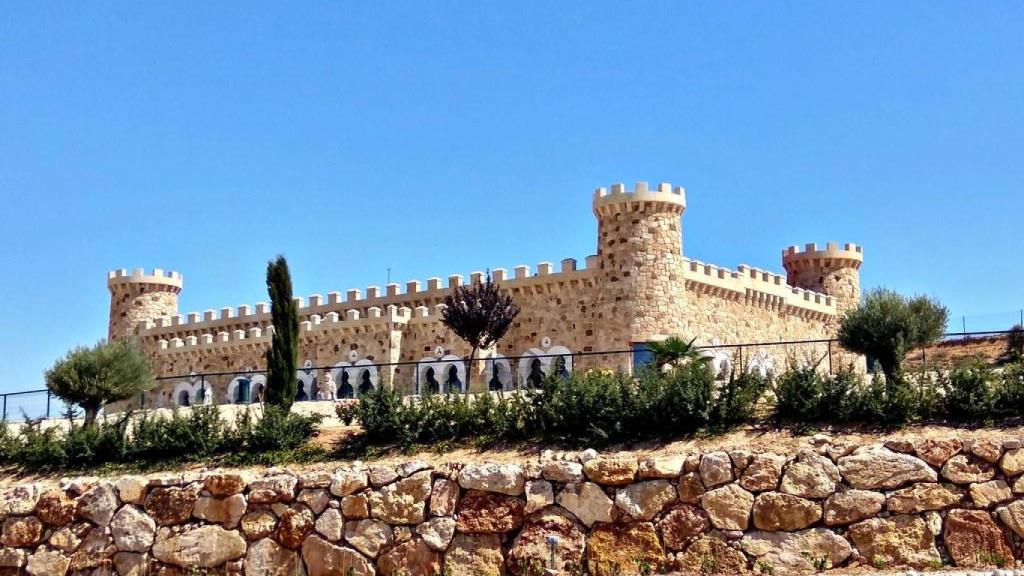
(638, 287)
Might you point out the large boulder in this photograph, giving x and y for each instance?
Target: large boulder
(132, 529)
(1012, 516)
(711, 556)
(587, 501)
(490, 477)
(21, 531)
(645, 500)
(681, 525)
(728, 507)
(169, 506)
(268, 558)
(55, 508)
(962, 469)
(325, 559)
(562, 471)
(775, 511)
(47, 562)
(227, 511)
(20, 499)
(294, 525)
(410, 558)
(258, 524)
(895, 541)
(403, 502)
(348, 481)
(368, 536)
(935, 451)
(610, 471)
(852, 506)
(628, 546)
(444, 496)
(532, 542)
(923, 497)
(810, 476)
(330, 525)
(973, 539)
(273, 489)
(882, 469)
(98, 504)
(474, 555)
(1012, 462)
(539, 494)
(715, 469)
(225, 483)
(988, 494)
(690, 487)
(763, 473)
(797, 552)
(437, 532)
(203, 547)
(666, 467)
(489, 513)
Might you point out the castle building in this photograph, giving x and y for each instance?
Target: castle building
(638, 288)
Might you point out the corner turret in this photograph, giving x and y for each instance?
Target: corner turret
(640, 260)
(834, 271)
(140, 296)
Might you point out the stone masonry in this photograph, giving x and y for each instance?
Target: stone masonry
(638, 288)
(894, 504)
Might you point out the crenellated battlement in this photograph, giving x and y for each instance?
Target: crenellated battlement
(618, 198)
(761, 287)
(849, 255)
(157, 277)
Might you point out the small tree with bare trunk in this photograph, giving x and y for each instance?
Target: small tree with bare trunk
(480, 314)
(105, 373)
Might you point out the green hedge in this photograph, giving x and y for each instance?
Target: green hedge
(599, 407)
(147, 439)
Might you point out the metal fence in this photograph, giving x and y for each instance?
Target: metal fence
(450, 373)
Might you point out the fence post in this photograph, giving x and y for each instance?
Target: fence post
(830, 357)
(48, 396)
(5, 408)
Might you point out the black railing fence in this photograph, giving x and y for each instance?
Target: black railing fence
(449, 374)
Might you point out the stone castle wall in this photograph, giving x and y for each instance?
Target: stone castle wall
(831, 504)
(637, 288)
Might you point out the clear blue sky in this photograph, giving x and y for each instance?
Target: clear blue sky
(438, 138)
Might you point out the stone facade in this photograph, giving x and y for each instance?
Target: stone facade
(638, 288)
(896, 504)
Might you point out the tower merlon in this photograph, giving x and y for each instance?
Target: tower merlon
(848, 255)
(169, 280)
(618, 196)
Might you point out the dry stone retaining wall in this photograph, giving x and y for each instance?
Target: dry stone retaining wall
(901, 504)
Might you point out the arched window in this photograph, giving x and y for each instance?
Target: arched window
(365, 384)
(432, 384)
(452, 383)
(536, 375)
(242, 391)
(344, 387)
(183, 398)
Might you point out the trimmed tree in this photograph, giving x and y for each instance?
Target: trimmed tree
(480, 314)
(887, 325)
(94, 377)
(283, 354)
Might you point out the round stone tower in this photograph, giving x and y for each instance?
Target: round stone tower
(641, 289)
(139, 297)
(834, 271)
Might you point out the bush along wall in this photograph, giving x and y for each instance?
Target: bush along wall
(919, 504)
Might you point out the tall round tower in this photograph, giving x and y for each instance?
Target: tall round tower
(140, 296)
(641, 289)
(834, 271)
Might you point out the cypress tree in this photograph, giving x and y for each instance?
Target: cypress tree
(283, 354)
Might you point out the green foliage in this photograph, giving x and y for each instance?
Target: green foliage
(1015, 343)
(673, 350)
(799, 393)
(104, 373)
(1010, 395)
(971, 391)
(806, 396)
(138, 439)
(887, 325)
(283, 354)
(736, 402)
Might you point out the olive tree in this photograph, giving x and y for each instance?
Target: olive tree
(480, 314)
(92, 377)
(887, 325)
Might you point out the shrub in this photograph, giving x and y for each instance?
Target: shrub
(93, 377)
(480, 314)
(970, 391)
(1015, 343)
(276, 430)
(799, 393)
(1010, 393)
(737, 401)
(887, 325)
(283, 354)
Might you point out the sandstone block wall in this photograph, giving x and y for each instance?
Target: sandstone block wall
(920, 504)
